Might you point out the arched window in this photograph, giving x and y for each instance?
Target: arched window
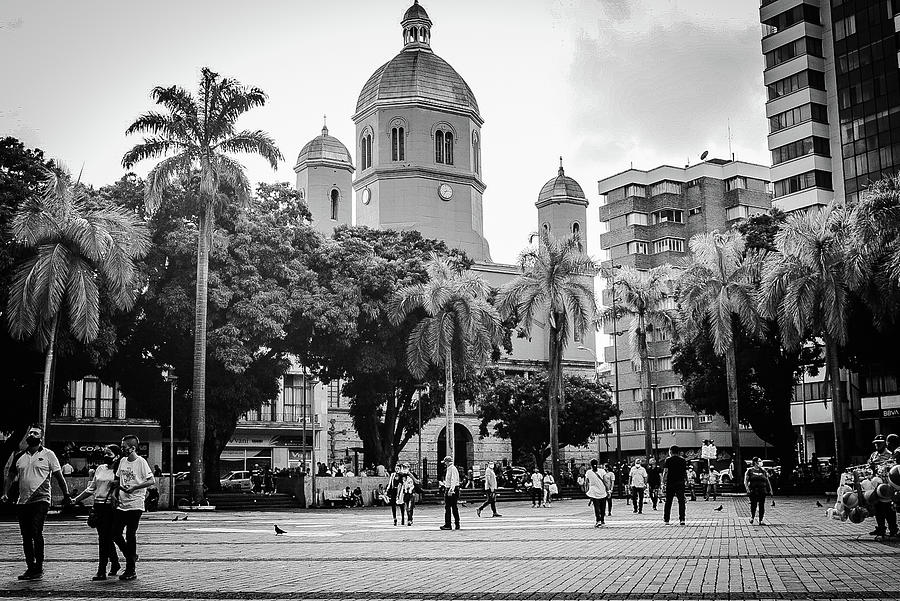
(398, 144)
(476, 153)
(576, 229)
(366, 151)
(439, 147)
(547, 227)
(448, 148)
(335, 199)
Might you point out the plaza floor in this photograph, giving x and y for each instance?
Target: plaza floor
(552, 553)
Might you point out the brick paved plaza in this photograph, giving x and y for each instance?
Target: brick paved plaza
(529, 553)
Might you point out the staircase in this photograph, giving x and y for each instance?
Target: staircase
(473, 495)
(232, 501)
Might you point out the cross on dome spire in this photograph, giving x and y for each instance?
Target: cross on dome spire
(561, 172)
(324, 125)
(416, 28)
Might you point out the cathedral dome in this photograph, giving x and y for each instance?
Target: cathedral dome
(327, 149)
(417, 73)
(561, 187)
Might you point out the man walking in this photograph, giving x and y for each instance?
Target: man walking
(32, 469)
(654, 481)
(537, 488)
(135, 477)
(597, 492)
(637, 481)
(451, 494)
(674, 475)
(490, 489)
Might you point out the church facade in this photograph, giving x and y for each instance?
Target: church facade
(417, 156)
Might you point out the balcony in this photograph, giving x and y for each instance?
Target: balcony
(71, 412)
(290, 418)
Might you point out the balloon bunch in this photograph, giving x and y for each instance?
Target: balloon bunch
(858, 492)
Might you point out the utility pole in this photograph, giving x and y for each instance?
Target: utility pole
(616, 369)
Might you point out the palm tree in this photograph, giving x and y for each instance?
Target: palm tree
(644, 297)
(555, 286)
(717, 286)
(875, 244)
(76, 244)
(197, 133)
(459, 329)
(805, 286)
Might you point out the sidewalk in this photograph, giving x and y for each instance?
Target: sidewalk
(552, 553)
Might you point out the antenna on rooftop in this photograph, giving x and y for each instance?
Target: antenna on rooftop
(729, 139)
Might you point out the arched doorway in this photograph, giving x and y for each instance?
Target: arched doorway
(464, 449)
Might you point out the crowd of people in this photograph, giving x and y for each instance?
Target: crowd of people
(119, 485)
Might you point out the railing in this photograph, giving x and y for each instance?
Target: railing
(283, 418)
(71, 412)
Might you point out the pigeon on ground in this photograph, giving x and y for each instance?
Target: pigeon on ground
(719, 508)
(278, 530)
(818, 504)
(176, 519)
(184, 519)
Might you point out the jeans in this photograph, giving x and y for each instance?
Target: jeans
(711, 489)
(409, 505)
(757, 500)
(490, 500)
(127, 521)
(884, 512)
(637, 499)
(599, 509)
(31, 525)
(450, 506)
(672, 491)
(654, 495)
(536, 493)
(106, 536)
(608, 500)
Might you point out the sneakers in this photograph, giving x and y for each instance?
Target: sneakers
(681, 523)
(478, 512)
(31, 574)
(446, 528)
(598, 524)
(128, 575)
(877, 532)
(99, 576)
(114, 568)
(457, 527)
(395, 522)
(497, 515)
(409, 523)
(751, 520)
(762, 523)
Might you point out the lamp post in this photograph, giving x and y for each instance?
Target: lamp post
(615, 335)
(419, 407)
(171, 378)
(655, 422)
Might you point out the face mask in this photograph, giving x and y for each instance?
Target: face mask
(109, 458)
(126, 451)
(33, 441)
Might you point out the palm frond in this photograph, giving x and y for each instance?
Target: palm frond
(83, 298)
(252, 142)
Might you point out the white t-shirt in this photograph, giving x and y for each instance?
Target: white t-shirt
(596, 486)
(132, 473)
(536, 479)
(638, 477)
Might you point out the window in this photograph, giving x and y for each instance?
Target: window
(844, 27)
(100, 400)
(811, 179)
(443, 147)
(704, 419)
(675, 423)
(695, 211)
(665, 187)
(366, 150)
(576, 229)
(800, 114)
(812, 391)
(734, 183)
(798, 81)
(742, 212)
(668, 244)
(636, 219)
(637, 248)
(661, 363)
(476, 152)
(658, 334)
(635, 190)
(790, 17)
(807, 45)
(335, 198)
(296, 396)
(334, 394)
(810, 145)
(667, 216)
(546, 227)
(398, 144)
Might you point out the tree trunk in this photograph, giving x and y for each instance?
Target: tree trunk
(49, 358)
(450, 407)
(553, 396)
(646, 401)
(198, 404)
(834, 368)
(737, 476)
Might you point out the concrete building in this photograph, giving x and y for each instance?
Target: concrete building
(647, 219)
(833, 84)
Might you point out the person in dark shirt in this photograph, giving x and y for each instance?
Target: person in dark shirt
(654, 481)
(674, 476)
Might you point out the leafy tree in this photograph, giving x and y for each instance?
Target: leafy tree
(459, 329)
(199, 133)
(555, 286)
(514, 408)
(643, 296)
(717, 289)
(806, 285)
(74, 241)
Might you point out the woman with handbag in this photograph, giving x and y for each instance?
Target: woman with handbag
(392, 487)
(102, 487)
(406, 493)
(550, 488)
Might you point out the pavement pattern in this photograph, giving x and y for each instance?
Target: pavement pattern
(539, 554)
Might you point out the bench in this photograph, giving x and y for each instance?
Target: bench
(334, 498)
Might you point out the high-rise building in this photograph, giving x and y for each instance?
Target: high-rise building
(647, 218)
(833, 86)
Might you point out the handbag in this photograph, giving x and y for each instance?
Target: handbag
(92, 518)
(554, 489)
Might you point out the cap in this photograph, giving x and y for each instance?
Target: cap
(879, 438)
(448, 459)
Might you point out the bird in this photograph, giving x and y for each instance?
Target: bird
(278, 530)
(176, 519)
(184, 519)
(719, 508)
(818, 504)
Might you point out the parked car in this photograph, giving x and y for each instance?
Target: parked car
(236, 481)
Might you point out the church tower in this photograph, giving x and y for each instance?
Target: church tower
(562, 207)
(324, 172)
(418, 146)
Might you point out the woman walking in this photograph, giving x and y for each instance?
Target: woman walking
(549, 484)
(406, 494)
(637, 480)
(757, 484)
(597, 492)
(392, 489)
(102, 487)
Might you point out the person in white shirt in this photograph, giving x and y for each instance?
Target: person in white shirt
(490, 489)
(595, 479)
(537, 488)
(102, 487)
(134, 477)
(548, 483)
(637, 480)
(451, 494)
(67, 468)
(610, 481)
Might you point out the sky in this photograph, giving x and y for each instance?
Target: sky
(606, 84)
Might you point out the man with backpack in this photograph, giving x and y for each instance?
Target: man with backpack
(595, 481)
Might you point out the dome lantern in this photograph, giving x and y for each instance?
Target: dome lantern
(416, 27)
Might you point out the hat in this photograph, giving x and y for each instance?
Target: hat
(879, 438)
(448, 459)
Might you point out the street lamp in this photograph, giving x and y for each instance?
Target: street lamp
(170, 377)
(655, 422)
